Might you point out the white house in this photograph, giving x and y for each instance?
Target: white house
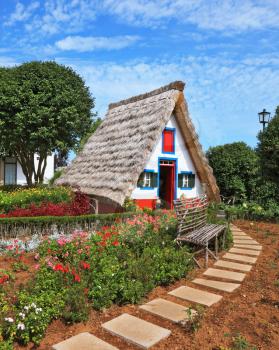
(145, 149)
(11, 171)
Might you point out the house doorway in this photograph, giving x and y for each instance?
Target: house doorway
(167, 183)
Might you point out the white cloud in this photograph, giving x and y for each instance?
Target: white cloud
(91, 43)
(224, 96)
(63, 15)
(22, 13)
(237, 15)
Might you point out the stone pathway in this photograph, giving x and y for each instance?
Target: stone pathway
(233, 266)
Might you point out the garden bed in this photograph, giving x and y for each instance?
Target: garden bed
(249, 315)
(71, 275)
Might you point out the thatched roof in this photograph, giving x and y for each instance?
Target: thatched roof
(115, 155)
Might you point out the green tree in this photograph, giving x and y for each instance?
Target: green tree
(235, 167)
(268, 150)
(44, 107)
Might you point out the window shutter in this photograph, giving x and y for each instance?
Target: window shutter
(168, 141)
(140, 180)
(154, 180)
(180, 180)
(192, 178)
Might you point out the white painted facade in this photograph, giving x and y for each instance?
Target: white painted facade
(14, 173)
(183, 163)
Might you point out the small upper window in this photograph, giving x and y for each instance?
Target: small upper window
(168, 141)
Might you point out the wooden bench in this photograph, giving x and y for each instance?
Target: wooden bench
(193, 227)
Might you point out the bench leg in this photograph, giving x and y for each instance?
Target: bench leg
(206, 255)
(216, 246)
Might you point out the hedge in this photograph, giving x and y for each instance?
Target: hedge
(44, 225)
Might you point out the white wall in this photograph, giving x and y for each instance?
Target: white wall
(183, 163)
(21, 180)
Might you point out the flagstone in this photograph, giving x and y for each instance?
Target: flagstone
(251, 242)
(247, 246)
(224, 286)
(83, 341)
(230, 275)
(240, 235)
(196, 295)
(243, 238)
(244, 251)
(237, 257)
(233, 265)
(135, 330)
(168, 310)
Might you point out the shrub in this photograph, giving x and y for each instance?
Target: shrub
(79, 205)
(119, 264)
(25, 197)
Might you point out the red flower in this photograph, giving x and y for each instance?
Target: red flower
(76, 278)
(85, 265)
(115, 243)
(58, 267)
(4, 278)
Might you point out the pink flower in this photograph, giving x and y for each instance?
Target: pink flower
(37, 266)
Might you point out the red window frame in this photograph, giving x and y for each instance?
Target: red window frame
(168, 141)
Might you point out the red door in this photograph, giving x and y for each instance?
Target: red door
(167, 183)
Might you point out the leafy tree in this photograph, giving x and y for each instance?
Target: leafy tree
(44, 107)
(235, 167)
(268, 150)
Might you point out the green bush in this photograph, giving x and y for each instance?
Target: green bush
(24, 197)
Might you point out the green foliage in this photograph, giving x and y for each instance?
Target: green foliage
(44, 107)
(253, 211)
(55, 176)
(23, 197)
(119, 264)
(130, 205)
(236, 169)
(76, 305)
(268, 149)
(19, 266)
(241, 343)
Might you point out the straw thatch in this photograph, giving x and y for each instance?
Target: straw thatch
(115, 155)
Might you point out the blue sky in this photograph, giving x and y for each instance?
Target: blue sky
(226, 51)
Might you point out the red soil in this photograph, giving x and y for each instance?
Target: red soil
(251, 310)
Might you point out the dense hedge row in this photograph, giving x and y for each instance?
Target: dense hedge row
(46, 225)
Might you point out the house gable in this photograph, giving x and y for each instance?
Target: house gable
(146, 197)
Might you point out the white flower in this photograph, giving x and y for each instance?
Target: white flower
(33, 305)
(21, 326)
(9, 319)
(38, 309)
(26, 308)
(21, 314)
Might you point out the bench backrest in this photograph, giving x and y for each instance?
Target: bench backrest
(191, 213)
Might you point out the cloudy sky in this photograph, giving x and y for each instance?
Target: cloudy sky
(227, 52)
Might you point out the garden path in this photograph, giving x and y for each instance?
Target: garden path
(233, 266)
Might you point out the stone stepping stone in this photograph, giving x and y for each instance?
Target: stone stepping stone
(242, 238)
(251, 242)
(244, 251)
(243, 258)
(136, 331)
(230, 275)
(247, 246)
(83, 341)
(233, 265)
(168, 310)
(224, 286)
(196, 295)
(240, 235)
